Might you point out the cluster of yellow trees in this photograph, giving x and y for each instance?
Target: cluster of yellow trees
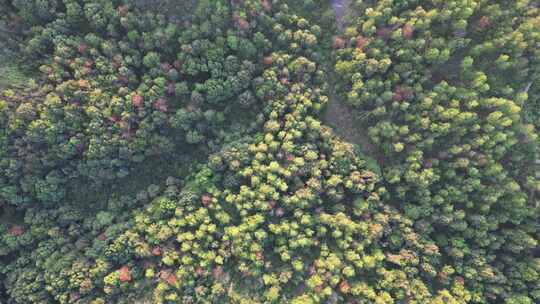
(443, 85)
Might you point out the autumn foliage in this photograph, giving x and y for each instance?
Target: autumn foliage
(189, 158)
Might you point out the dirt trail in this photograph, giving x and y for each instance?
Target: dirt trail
(340, 116)
(340, 8)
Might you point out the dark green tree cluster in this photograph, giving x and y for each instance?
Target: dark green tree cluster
(441, 85)
(124, 87)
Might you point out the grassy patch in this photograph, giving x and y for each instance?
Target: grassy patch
(10, 74)
(153, 171)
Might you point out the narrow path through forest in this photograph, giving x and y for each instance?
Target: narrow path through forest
(340, 116)
(340, 8)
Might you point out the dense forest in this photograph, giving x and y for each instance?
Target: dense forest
(270, 151)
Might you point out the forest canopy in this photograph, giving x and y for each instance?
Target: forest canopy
(269, 151)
